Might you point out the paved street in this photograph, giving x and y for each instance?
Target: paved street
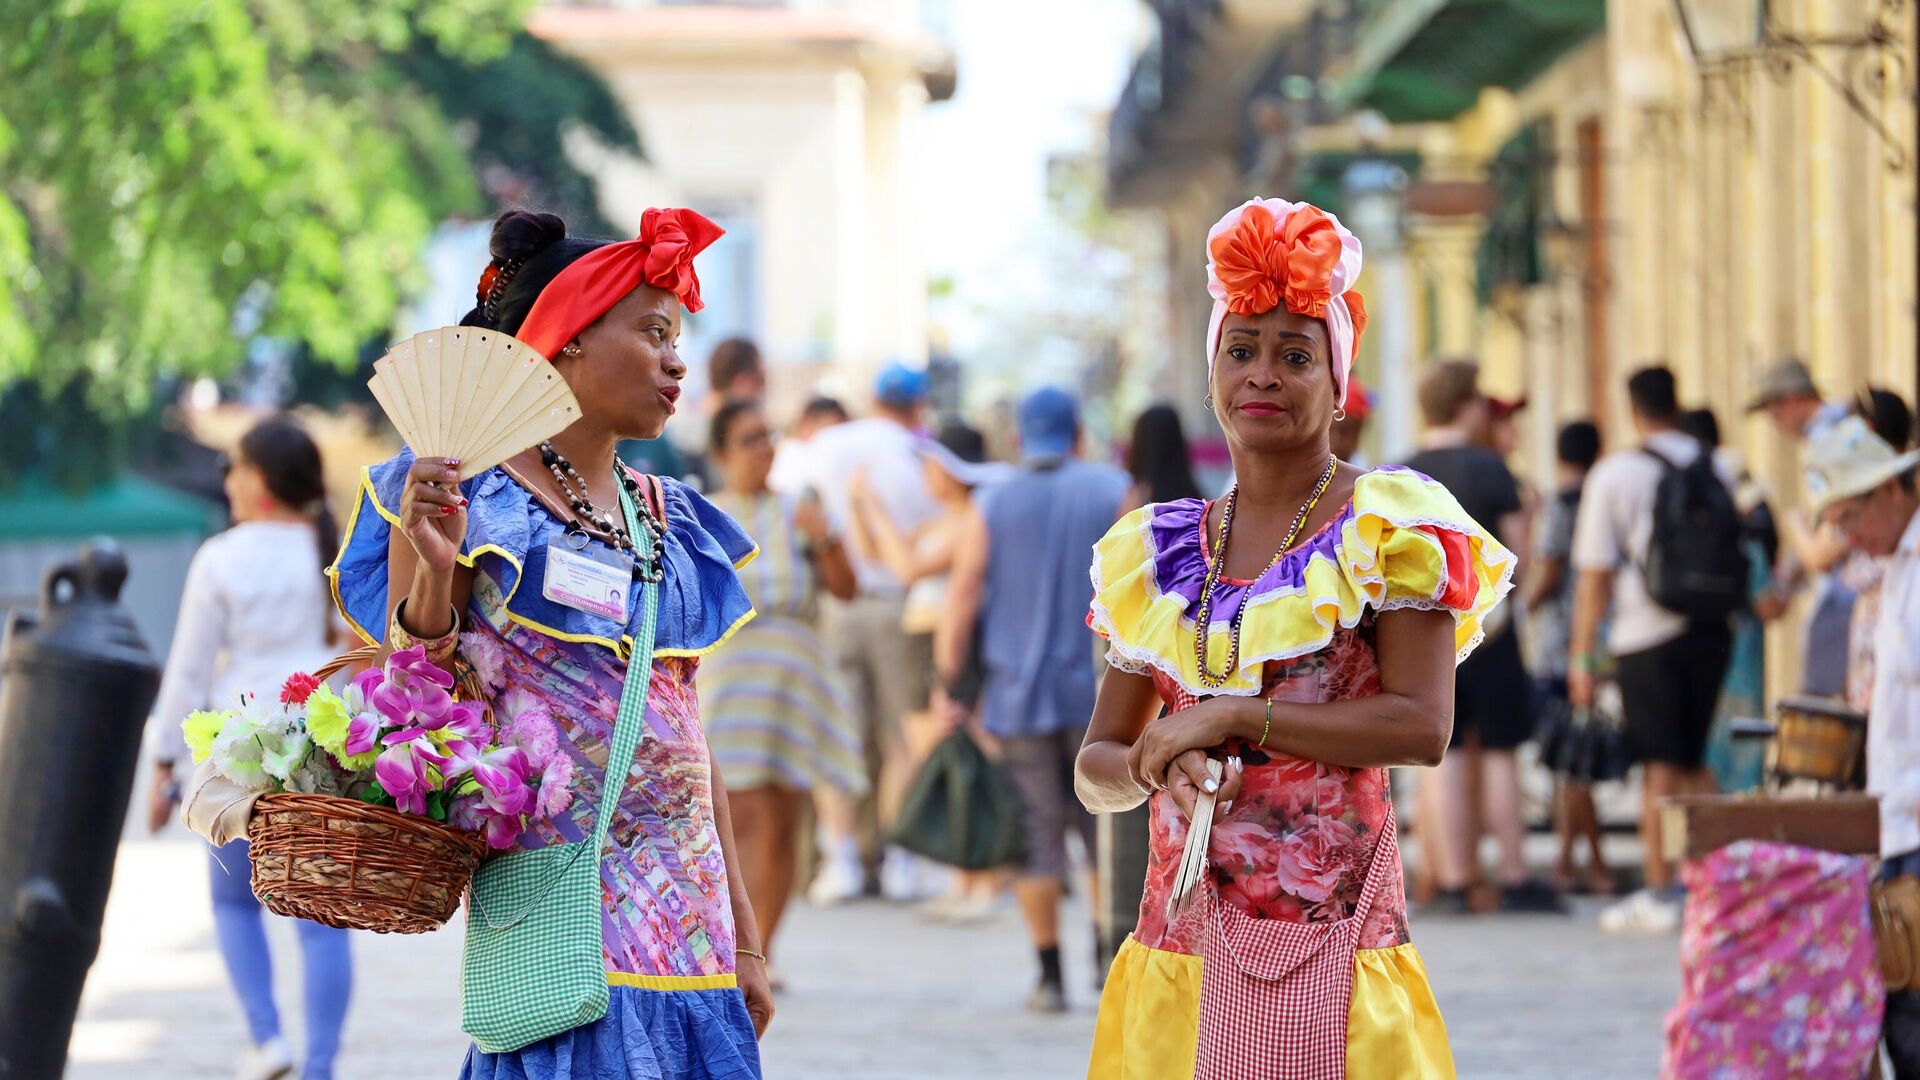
(872, 992)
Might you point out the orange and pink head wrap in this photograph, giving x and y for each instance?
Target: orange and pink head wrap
(1269, 252)
(661, 256)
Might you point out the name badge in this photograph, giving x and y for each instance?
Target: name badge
(591, 578)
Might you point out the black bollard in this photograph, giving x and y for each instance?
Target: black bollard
(76, 683)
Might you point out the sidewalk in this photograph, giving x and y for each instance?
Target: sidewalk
(872, 994)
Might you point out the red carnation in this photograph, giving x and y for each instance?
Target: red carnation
(298, 688)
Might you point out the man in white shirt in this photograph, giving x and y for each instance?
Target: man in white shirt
(1863, 488)
(888, 672)
(1669, 668)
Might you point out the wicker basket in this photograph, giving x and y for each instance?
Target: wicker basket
(344, 863)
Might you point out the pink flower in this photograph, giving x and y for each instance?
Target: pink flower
(556, 787)
(1316, 858)
(532, 731)
(406, 772)
(502, 774)
(364, 731)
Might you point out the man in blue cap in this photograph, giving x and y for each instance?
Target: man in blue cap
(887, 672)
(1020, 581)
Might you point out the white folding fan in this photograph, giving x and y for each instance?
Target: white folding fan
(1193, 857)
(471, 394)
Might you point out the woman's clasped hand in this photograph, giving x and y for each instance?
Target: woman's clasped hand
(1172, 754)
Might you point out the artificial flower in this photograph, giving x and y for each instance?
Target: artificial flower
(200, 729)
(283, 751)
(298, 687)
(408, 771)
(556, 787)
(236, 751)
(317, 775)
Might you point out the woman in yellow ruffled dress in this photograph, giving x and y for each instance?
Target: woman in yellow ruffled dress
(1301, 636)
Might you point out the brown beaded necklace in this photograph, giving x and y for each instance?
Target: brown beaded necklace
(1203, 618)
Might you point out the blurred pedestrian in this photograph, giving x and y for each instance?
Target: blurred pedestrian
(735, 372)
(1887, 414)
(792, 463)
(1493, 711)
(886, 671)
(1549, 600)
(1670, 664)
(956, 469)
(1160, 458)
(255, 608)
(778, 722)
(1019, 583)
(1866, 489)
(1302, 631)
(1794, 404)
(1737, 764)
(1350, 428)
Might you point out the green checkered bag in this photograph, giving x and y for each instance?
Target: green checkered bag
(533, 967)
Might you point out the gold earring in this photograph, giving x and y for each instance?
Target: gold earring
(1208, 402)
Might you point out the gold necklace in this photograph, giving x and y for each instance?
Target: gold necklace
(1203, 620)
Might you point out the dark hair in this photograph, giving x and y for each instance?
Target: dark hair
(965, 442)
(289, 464)
(529, 250)
(1448, 387)
(1578, 444)
(1158, 456)
(1702, 425)
(732, 360)
(1887, 414)
(824, 406)
(1650, 391)
(723, 419)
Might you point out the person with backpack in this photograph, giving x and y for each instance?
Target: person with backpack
(1658, 540)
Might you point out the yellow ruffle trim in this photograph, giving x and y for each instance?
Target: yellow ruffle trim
(1384, 558)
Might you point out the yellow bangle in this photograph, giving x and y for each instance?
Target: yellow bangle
(762, 957)
(1266, 729)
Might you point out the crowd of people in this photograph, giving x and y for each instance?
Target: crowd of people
(834, 602)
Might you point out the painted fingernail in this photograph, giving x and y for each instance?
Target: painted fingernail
(1228, 809)
(453, 463)
(463, 502)
(446, 510)
(1211, 785)
(1237, 766)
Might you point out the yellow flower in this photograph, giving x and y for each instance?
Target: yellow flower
(328, 724)
(201, 728)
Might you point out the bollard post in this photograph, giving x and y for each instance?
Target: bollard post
(76, 683)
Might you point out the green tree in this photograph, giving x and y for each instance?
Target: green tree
(168, 167)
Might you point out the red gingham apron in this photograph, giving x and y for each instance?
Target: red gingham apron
(1274, 994)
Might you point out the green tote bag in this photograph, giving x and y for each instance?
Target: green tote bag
(533, 967)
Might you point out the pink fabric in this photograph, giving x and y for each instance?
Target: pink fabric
(1275, 993)
(1778, 972)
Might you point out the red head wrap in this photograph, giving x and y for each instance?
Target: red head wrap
(661, 256)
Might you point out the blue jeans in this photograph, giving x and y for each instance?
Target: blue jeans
(327, 963)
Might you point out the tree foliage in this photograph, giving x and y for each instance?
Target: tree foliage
(178, 174)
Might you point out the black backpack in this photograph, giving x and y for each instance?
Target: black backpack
(1696, 561)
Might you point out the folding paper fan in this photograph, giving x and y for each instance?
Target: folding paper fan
(1193, 857)
(476, 395)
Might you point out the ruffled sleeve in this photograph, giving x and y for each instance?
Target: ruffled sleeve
(1403, 541)
(508, 532)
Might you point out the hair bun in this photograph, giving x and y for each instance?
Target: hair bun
(519, 235)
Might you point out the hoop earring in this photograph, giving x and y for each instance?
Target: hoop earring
(1208, 402)
(1340, 413)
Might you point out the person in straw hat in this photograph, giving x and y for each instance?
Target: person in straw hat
(1865, 490)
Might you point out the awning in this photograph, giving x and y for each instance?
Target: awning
(34, 508)
(1422, 60)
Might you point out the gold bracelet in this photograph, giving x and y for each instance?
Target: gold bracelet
(1266, 729)
(438, 649)
(762, 957)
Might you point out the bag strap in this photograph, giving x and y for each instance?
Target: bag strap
(630, 723)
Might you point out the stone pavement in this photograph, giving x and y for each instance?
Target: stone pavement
(872, 994)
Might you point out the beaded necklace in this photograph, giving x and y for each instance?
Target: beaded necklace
(1203, 619)
(575, 489)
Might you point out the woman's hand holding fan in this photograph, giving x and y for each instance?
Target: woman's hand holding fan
(433, 514)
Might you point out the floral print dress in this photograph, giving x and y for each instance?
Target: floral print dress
(1302, 836)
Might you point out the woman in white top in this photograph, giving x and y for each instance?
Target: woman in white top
(255, 609)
